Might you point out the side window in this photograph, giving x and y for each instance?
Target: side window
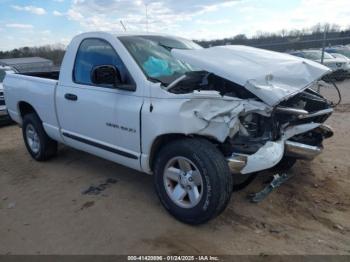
(94, 52)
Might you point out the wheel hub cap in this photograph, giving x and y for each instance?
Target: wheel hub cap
(186, 180)
(32, 138)
(183, 182)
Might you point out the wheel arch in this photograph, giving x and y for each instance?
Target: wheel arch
(25, 108)
(162, 140)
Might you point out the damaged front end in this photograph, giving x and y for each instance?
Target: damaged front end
(295, 130)
(258, 121)
(254, 136)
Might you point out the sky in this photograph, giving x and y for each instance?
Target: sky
(41, 22)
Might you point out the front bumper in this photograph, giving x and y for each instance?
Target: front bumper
(302, 151)
(238, 162)
(272, 152)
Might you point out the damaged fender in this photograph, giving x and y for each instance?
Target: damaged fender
(219, 118)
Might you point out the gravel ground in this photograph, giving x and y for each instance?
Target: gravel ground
(43, 210)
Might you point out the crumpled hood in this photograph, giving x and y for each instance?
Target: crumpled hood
(271, 76)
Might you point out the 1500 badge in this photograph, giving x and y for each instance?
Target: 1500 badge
(123, 128)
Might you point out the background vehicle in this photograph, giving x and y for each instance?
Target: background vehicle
(337, 55)
(193, 117)
(316, 55)
(347, 65)
(339, 66)
(344, 50)
(3, 110)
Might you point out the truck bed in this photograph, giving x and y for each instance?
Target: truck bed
(54, 75)
(36, 89)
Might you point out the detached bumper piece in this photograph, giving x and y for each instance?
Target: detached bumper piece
(277, 181)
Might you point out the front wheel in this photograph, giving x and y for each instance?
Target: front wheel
(192, 180)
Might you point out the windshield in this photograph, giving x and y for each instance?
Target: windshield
(153, 55)
(336, 55)
(316, 55)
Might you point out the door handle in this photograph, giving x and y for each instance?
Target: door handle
(71, 97)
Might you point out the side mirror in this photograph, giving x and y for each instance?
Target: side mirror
(105, 75)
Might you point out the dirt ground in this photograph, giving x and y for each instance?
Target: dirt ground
(43, 210)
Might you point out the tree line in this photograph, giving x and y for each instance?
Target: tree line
(53, 52)
(286, 40)
(281, 41)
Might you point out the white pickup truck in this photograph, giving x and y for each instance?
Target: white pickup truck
(197, 118)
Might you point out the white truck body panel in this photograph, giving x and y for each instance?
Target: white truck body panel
(36, 91)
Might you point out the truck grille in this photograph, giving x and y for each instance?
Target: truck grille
(339, 64)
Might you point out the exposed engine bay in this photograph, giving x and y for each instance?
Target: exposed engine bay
(202, 80)
(303, 108)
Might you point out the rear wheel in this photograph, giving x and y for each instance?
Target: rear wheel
(39, 145)
(192, 180)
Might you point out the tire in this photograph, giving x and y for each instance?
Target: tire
(39, 145)
(206, 169)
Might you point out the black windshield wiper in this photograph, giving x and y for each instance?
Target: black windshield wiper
(169, 48)
(172, 47)
(154, 79)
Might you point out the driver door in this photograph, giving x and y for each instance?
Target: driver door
(100, 119)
